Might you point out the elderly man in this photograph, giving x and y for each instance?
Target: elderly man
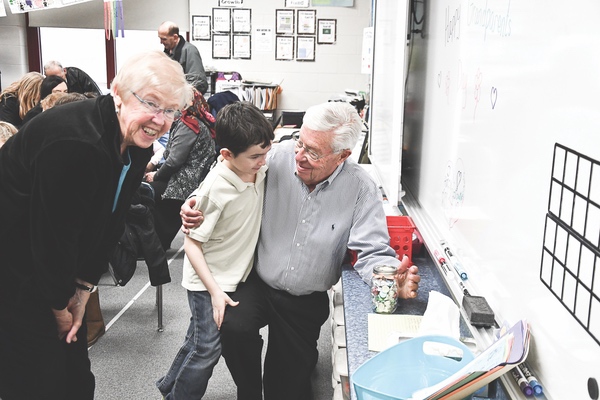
(184, 53)
(77, 80)
(318, 203)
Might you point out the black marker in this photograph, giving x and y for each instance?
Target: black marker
(455, 263)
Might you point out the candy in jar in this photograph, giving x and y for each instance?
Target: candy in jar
(384, 290)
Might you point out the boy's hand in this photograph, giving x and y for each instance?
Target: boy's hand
(219, 302)
(190, 218)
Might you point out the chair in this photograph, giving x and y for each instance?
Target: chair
(292, 119)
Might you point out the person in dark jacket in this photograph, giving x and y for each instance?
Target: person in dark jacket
(20, 97)
(77, 80)
(184, 53)
(50, 84)
(66, 180)
(188, 156)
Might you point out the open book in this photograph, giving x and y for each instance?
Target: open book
(504, 354)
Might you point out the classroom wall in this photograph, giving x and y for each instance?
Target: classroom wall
(336, 66)
(13, 56)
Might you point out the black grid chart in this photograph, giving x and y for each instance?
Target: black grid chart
(571, 250)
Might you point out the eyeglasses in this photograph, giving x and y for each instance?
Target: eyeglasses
(310, 154)
(169, 113)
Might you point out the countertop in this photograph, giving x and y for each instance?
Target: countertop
(357, 305)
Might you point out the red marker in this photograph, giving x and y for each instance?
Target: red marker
(442, 261)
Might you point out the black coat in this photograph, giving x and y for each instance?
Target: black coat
(58, 179)
(80, 82)
(140, 240)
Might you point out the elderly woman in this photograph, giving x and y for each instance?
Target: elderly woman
(188, 156)
(66, 181)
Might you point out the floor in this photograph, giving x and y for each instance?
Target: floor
(133, 354)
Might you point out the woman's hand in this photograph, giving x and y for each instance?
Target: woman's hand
(70, 319)
(149, 177)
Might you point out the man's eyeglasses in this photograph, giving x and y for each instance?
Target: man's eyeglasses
(310, 154)
(153, 108)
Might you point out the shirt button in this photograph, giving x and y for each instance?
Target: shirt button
(303, 221)
(292, 268)
(297, 244)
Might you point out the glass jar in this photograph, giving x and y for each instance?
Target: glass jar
(384, 290)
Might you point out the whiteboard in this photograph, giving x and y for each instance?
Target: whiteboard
(492, 87)
(387, 94)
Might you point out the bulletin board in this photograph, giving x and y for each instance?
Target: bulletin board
(500, 158)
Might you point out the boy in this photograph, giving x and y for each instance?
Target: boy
(219, 253)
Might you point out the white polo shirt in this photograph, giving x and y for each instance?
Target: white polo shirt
(232, 212)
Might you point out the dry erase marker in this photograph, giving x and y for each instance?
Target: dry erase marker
(442, 261)
(521, 381)
(455, 263)
(537, 388)
(464, 289)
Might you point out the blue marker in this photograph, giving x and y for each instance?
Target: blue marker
(455, 263)
(537, 388)
(521, 381)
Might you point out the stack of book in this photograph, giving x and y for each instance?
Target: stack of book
(503, 355)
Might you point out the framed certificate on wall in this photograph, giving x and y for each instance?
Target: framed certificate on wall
(305, 48)
(221, 46)
(201, 27)
(306, 22)
(284, 22)
(326, 32)
(284, 48)
(221, 20)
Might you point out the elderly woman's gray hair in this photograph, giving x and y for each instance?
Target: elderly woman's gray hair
(153, 69)
(337, 117)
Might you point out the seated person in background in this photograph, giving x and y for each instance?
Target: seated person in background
(6, 131)
(50, 101)
(159, 148)
(67, 98)
(318, 203)
(77, 80)
(219, 254)
(188, 156)
(50, 84)
(20, 97)
(57, 99)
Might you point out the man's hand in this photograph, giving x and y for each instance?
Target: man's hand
(407, 279)
(190, 218)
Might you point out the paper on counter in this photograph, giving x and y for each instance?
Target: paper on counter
(386, 330)
(442, 317)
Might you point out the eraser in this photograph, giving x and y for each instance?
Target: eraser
(478, 310)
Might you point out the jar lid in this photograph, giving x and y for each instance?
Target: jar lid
(385, 269)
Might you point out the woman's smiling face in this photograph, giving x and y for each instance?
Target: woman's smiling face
(139, 125)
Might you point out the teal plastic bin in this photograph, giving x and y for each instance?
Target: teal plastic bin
(397, 372)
